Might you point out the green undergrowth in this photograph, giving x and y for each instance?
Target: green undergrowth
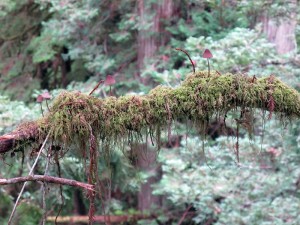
(200, 98)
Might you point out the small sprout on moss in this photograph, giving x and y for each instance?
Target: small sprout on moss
(185, 52)
(207, 55)
(110, 80)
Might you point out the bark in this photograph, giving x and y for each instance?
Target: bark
(48, 179)
(281, 32)
(149, 41)
(79, 207)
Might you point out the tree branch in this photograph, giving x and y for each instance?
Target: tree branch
(101, 219)
(48, 179)
(199, 99)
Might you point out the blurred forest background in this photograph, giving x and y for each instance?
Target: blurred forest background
(53, 45)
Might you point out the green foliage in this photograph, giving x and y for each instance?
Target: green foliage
(13, 112)
(7, 6)
(27, 214)
(240, 48)
(257, 191)
(5, 206)
(42, 49)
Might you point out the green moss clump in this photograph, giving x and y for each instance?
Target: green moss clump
(74, 115)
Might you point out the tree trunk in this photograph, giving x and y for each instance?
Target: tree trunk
(149, 41)
(151, 38)
(281, 32)
(146, 161)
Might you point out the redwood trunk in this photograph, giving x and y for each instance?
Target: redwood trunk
(281, 32)
(151, 38)
(146, 161)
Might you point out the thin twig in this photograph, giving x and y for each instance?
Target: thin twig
(95, 88)
(48, 179)
(44, 188)
(179, 49)
(60, 189)
(184, 215)
(29, 175)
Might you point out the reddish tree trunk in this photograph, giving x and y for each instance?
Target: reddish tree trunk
(281, 32)
(151, 38)
(146, 161)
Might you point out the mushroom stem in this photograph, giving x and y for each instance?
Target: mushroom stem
(110, 91)
(47, 105)
(208, 67)
(42, 109)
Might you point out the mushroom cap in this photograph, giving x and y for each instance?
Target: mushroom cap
(110, 80)
(207, 54)
(39, 98)
(46, 95)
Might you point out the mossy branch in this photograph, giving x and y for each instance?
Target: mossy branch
(198, 98)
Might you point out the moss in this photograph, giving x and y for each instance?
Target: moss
(74, 115)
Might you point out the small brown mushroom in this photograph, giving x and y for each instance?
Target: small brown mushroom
(207, 55)
(110, 80)
(40, 98)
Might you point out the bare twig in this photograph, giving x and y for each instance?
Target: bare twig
(179, 49)
(60, 188)
(184, 215)
(103, 218)
(48, 179)
(95, 88)
(29, 175)
(44, 188)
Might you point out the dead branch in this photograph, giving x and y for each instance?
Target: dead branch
(48, 179)
(100, 219)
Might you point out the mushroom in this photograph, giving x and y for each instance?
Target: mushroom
(207, 55)
(40, 98)
(110, 80)
(46, 96)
